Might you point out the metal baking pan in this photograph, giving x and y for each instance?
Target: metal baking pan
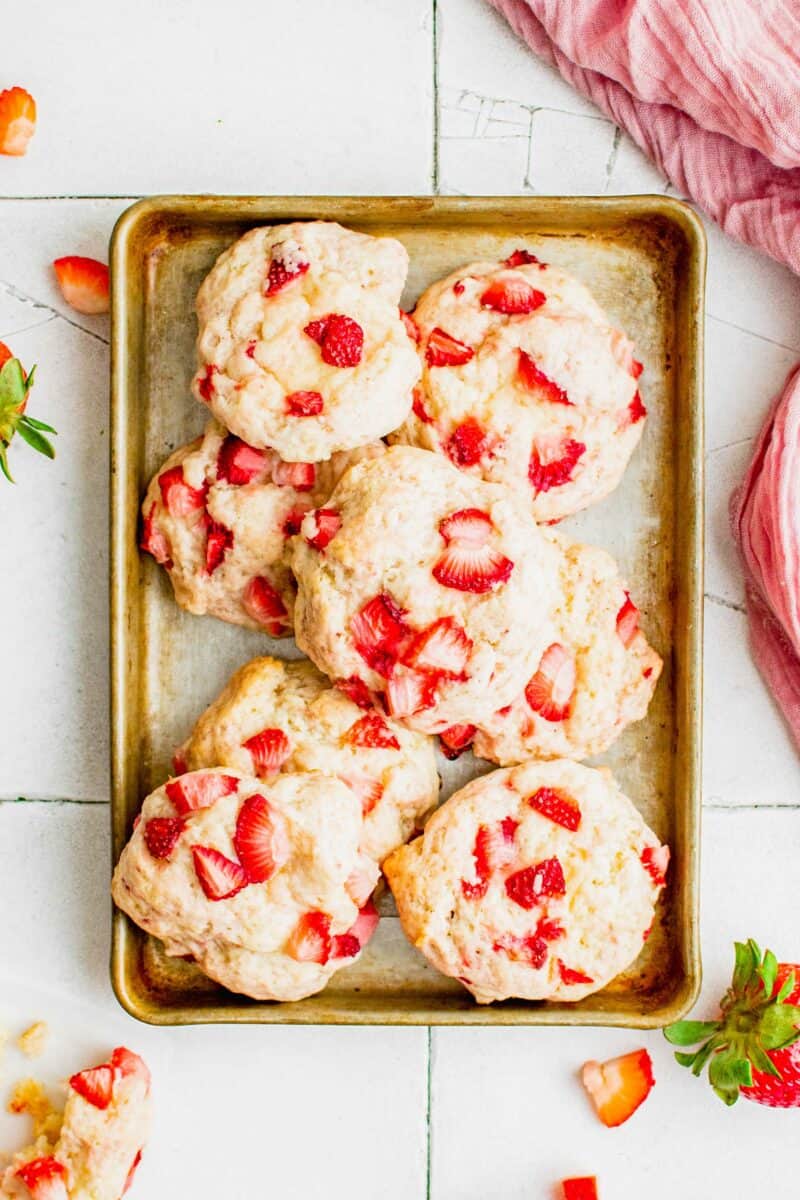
(644, 257)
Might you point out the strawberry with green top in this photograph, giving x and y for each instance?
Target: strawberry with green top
(14, 388)
(753, 1050)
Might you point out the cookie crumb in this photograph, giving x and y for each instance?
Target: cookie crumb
(29, 1097)
(33, 1042)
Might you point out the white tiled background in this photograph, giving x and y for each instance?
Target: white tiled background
(367, 96)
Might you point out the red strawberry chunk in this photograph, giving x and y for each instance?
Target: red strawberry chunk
(553, 464)
(95, 1085)
(443, 649)
(130, 1176)
(125, 1062)
(418, 408)
(250, 349)
(356, 690)
(536, 380)
(304, 404)
(494, 849)
(179, 766)
(368, 789)
(443, 350)
(366, 923)
(380, 631)
(84, 283)
(570, 975)
(636, 409)
(219, 540)
(372, 732)
(327, 523)
(161, 835)
(360, 883)
(557, 806)
(345, 945)
(45, 1178)
(456, 739)
(467, 443)
(17, 120)
(261, 838)
(269, 750)
(458, 287)
(531, 950)
(636, 368)
(239, 463)
(531, 885)
(469, 564)
(154, 541)
(583, 1187)
(205, 384)
(200, 789)
(220, 877)
(619, 1086)
(655, 860)
(627, 622)
(412, 329)
(512, 295)
(551, 689)
(340, 339)
(179, 499)
(286, 265)
(298, 475)
(293, 521)
(409, 692)
(521, 258)
(310, 940)
(264, 605)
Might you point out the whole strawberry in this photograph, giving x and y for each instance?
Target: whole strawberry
(14, 388)
(753, 1050)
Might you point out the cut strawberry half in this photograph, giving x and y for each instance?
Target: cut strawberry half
(531, 885)
(356, 690)
(418, 408)
(557, 806)
(536, 381)
(443, 350)
(412, 329)
(286, 265)
(205, 384)
(371, 732)
(569, 975)
(45, 1178)
(17, 120)
(340, 339)
(469, 564)
(219, 540)
(304, 404)
(636, 409)
(521, 258)
(456, 739)
(326, 523)
(310, 940)
(466, 445)
(580, 1187)
(409, 692)
(201, 789)
(550, 691)
(161, 835)
(368, 789)
(154, 541)
(83, 283)
(655, 860)
(95, 1085)
(379, 631)
(261, 602)
(494, 849)
(239, 463)
(553, 463)
(298, 475)
(220, 877)
(619, 1086)
(269, 750)
(179, 498)
(512, 295)
(472, 526)
(261, 839)
(442, 649)
(627, 622)
(125, 1062)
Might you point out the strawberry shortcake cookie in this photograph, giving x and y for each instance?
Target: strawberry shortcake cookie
(301, 344)
(426, 587)
(538, 881)
(277, 717)
(526, 382)
(217, 516)
(263, 884)
(93, 1150)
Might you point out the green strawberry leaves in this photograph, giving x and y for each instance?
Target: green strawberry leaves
(15, 386)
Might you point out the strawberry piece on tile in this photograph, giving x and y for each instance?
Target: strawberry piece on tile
(84, 283)
(17, 120)
(619, 1086)
(583, 1187)
(443, 350)
(371, 732)
(264, 605)
(200, 789)
(220, 877)
(549, 693)
(269, 750)
(261, 838)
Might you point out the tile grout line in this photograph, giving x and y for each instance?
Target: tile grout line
(49, 800)
(436, 114)
(428, 1115)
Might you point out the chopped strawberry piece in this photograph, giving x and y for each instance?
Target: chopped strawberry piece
(521, 258)
(443, 649)
(205, 385)
(263, 604)
(179, 498)
(327, 523)
(200, 789)
(529, 886)
(537, 381)
(269, 750)
(379, 631)
(409, 692)
(418, 408)
(95, 1085)
(366, 923)
(531, 949)
(219, 540)
(552, 465)
(356, 690)
(446, 351)
(239, 463)
(154, 540)
(512, 295)
(458, 287)
(125, 1062)
(5, 355)
(83, 283)
(456, 739)
(570, 975)
(45, 1178)
(286, 265)
(372, 732)
(636, 409)
(619, 1086)
(412, 329)
(179, 765)
(250, 349)
(345, 945)
(261, 838)
(311, 939)
(558, 806)
(368, 789)
(472, 526)
(304, 404)
(636, 368)
(627, 622)
(130, 1176)
(161, 835)
(494, 849)
(220, 877)
(583, 1187)
(469, 564)
(340, 339)
(550, 691)
(655, 860)
(466, 445)
(298, 475)
(17, 120)
(293, 521)
(360, 883)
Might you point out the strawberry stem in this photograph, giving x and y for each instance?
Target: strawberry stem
(15, 387)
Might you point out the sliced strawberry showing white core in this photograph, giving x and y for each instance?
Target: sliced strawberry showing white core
(161, 835)
(494, 849)
(470, 564)
(321, 527)
(219, 540)
(455, 740)
(356, 690)
(261, 602)
(531, 885)
(443, 649)
(379, 631)
(310, 941)
(619, 1086)
(553, 461)
(45, 1178)
(154, 540)
(84, 283)
(627, 622)
(412, 329)
(368, 789)
(549, 693)
(512, 294)
(269, 750)
(570, 976)
(304, 404)
(200, 789)
(361, 882)
(125, 1062)
(471, 526)
(298, 475)
(557, 806)
(655, 860)
(443, 350)
(535, 380)
(261, 838)
(95, 1085)
(409, 692)
(179, 498)
(371, 732)
(239, 463)
(220, 877)
(286, 265)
